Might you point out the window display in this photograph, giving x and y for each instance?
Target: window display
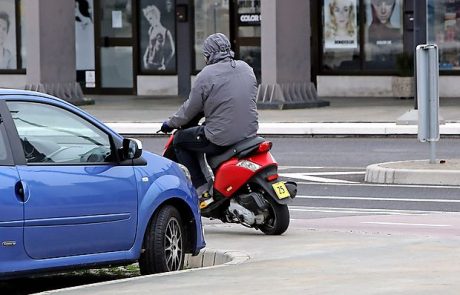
(249, 18)
(341, 31)
(383, 33)
(211, 17)
(340, 24)
(84, 35)
(7, 34)
(444, 30)
(354, 40)
(157, 36)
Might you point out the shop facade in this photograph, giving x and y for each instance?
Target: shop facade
(131, 46)
(363, 47)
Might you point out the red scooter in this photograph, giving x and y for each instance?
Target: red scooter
(245, 186)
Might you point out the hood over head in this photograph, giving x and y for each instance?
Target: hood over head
(216, 48)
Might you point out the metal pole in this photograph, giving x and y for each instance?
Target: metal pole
(428, 96)
(432, 152)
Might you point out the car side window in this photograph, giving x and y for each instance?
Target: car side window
(50, 134)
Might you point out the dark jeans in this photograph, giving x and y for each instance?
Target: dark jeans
(188, 144)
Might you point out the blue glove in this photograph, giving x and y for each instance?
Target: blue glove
(165, 128)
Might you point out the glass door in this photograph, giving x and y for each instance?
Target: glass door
(114, 42)
(246, 32)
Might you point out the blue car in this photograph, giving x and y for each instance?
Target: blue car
(74, 193)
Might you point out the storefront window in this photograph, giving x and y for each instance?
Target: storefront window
(22, 28)
(362, 34)
(251, 55)
(249, 18)
(84, 35)
(8, 60)
(211, 16)
(157, 36)
(383, 33)
(116, 18)
(444, 30)
(341, 34)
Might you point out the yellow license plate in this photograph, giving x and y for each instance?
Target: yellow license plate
(281, 190)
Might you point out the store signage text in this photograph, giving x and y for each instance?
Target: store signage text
(249, 19)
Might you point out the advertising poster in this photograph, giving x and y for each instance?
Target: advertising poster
(157, 36)
(384, 22)
(7, 34)
(340, 24)
(84, 35)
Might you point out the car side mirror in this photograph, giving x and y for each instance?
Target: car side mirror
(132, 148)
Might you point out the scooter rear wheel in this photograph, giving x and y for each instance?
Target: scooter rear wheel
(278, 220)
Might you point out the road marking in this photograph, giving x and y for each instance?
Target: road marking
(306, 176)
(309, 176)
(378, 199)
(326, 173)
(364, 211)
(382, 185)
(316, 167)
(300, 167)
(323, 173)
(406, 224)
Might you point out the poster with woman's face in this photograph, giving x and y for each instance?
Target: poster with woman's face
(7, 34)
(157, 36)
(340, 24)
(384, 22)
(84, 35)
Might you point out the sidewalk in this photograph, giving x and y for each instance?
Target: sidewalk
(121, 108)
(341, 255)
(345, 116)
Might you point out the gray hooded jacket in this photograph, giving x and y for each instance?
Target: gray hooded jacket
(225, 90)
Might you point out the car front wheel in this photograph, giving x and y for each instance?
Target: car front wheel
(163, 243)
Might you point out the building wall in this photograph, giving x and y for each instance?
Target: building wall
(375, 86)
(157, 85)
(13, 81)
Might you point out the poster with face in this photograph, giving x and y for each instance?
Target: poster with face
(157, 36)
(340, 24)
(84, 35)
(7, 34)
(384, 22)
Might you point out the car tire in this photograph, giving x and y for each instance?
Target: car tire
(164, 243)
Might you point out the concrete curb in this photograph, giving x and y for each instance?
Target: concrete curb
(210, 257)
(207, 258)
(414, 172)
(299, 128)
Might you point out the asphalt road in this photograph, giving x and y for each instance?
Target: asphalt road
(330, 175)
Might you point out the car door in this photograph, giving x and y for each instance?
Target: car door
(78, 200)
(11, 205)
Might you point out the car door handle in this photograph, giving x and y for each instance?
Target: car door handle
(22, 193)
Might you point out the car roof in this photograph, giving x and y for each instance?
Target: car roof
(4, 92)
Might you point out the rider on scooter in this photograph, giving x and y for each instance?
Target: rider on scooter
(225, 91)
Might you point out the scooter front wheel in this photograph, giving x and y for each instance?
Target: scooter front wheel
(277, 221)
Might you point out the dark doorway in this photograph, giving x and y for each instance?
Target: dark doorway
(245, 32)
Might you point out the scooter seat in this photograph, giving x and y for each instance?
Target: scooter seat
(243, 147)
